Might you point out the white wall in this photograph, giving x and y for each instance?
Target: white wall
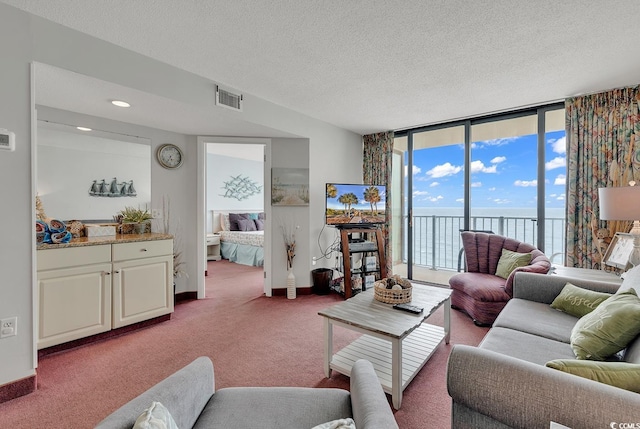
(17, 210)
(333, 154)
(69, 163)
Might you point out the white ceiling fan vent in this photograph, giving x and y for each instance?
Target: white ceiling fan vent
(228, 99)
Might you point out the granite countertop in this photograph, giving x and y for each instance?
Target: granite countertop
(110, 239)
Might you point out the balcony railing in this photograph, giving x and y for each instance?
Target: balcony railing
(437, 244)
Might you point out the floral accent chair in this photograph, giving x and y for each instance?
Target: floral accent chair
(486, 286)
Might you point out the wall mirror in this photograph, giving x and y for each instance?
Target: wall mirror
(91, 175)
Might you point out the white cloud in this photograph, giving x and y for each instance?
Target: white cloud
(460, 200)
(557, 162)
(415, 170)
(500, 201)
(498, 159)
(561, 179)
(476, 184)
(526, 183)
(419, 193)
(560, 197)
(493, 188)
(436, 199)
(434, 184)
(496, 142)
(559, 146)
(444, 170)
(479, 167)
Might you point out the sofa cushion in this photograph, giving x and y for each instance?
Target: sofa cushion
(509, 261)
(524, 346)
(536, 318)
(281, 407)
(609, 328)
(481, 287)
(578, 301)
(619, 374)
(155, 417)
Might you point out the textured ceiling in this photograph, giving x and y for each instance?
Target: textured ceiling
(373, 65)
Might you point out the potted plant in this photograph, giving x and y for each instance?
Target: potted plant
(139, 217)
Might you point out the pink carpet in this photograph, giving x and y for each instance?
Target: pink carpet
(253, 341)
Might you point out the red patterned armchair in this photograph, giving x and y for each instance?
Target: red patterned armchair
(479, 292)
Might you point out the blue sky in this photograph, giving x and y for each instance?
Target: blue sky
(503, 173)
(358, 190)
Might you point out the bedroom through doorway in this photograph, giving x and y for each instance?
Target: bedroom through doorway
(235, 207)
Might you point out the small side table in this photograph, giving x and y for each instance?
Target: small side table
(213, 247)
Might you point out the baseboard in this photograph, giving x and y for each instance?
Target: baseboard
(101, 336)
(18, 388)
(299, 291)
(185, 296)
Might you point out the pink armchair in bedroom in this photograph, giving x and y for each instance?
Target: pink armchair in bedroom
(481, 293)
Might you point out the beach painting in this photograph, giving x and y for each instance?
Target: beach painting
(289, 186)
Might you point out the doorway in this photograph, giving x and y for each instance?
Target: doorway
(232, 178)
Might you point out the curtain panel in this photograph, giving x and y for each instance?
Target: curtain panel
(376, 170)
(603, 150)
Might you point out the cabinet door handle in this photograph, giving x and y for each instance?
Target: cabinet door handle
(117, 271)
(143, 250)
(107, 273)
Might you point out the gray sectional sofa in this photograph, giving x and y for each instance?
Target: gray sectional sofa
(190, 397)
(504, 383)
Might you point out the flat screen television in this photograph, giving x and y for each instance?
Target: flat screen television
(355, 204)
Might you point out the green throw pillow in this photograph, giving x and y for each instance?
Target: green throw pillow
(607, 329)
(509, 261)
(619, 374)
(577, 301)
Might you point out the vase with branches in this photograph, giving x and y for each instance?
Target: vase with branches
(167, 228)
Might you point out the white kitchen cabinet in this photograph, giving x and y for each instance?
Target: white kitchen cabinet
(74, 293)
(142, 281)
(91, 289)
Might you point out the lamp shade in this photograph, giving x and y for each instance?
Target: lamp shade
(621, 203)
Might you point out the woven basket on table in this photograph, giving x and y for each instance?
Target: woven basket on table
(392, 296)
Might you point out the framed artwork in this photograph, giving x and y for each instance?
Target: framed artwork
(289, 186)
(619, 251)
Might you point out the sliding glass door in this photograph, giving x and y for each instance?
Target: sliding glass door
(500, 174)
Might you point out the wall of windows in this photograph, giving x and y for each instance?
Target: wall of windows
(502, 173)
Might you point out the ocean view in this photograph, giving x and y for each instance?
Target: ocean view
(436, 231)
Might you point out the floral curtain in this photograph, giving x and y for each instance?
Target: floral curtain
(376, 170)
(602, 151)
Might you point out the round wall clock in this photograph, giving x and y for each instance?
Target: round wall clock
(169, 156)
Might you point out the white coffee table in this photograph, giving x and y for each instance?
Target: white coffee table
(397, 343)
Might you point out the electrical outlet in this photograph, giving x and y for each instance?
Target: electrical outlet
(8, 327)
(156, 214)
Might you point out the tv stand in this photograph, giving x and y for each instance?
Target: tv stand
(368, 241)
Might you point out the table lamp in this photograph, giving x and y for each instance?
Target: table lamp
(623, 203)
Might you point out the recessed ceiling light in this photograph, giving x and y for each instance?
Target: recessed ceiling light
(84, 128)
(120, 103)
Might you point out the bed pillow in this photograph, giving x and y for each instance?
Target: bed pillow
(259, 224)
(607, 329)
(578, 301)
(224, 222)
(509, 261)
(234, 218)
(261, 216)
(246, 225)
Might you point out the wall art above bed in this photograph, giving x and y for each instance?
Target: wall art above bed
(240, 188)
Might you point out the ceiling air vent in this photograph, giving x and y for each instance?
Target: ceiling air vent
(228, 99)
